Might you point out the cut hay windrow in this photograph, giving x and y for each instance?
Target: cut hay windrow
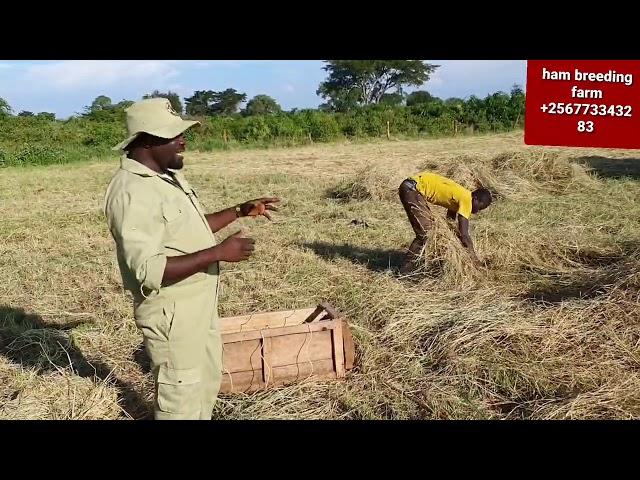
(549, 328)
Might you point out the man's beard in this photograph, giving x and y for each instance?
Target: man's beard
(176, 163)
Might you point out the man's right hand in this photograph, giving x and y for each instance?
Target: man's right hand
(236, 248)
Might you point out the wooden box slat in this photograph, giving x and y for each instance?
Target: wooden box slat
(276, 348)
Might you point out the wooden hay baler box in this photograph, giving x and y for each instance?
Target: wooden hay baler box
(276, 348)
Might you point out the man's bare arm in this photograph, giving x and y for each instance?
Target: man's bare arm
(252, 208)
(465, 238)
(236, 248)
(218, 220)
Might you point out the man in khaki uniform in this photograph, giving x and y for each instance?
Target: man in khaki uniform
(168, 258)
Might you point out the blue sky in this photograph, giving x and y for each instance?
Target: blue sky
(65, 87)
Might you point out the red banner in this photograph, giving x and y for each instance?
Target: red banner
(583, 103)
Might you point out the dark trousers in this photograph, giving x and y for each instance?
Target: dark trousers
(420, 217)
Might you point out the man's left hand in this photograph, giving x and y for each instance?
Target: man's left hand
(259, 206)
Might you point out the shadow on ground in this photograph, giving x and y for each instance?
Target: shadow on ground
(375, 259)
(605, 167)
(27, 340)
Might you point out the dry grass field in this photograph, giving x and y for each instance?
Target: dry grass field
(549, 329)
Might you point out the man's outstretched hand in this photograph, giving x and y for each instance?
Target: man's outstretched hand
(259, 206)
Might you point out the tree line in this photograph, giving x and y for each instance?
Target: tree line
(362, 99)
(350, 85)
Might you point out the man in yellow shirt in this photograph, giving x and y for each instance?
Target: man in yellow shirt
(168, 257)
(423, 188)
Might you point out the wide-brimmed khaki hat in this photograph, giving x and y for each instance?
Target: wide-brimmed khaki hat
(156, 117)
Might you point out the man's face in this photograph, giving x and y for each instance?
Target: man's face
(478, 205)
(166, 153)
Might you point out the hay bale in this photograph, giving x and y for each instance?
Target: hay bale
(548, 171)
(476, 172)
(514, 174)
(369, 183)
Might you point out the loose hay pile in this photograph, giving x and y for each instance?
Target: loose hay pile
(516, 174)
(369, 183)
(445, 259)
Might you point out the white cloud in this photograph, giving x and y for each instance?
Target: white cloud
(241, 63)
(289, 88)
(74, 74)
(462, 78)
(483, 68)
(180, 89)
(436, 78)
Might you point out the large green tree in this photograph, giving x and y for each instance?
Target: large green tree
(199, 103)
(392, 99)
(227, 102)
(5, 108)
(419, 97)
(101, 102)
(262, 105)
(102, 108)
(208, 102)
(353, 83)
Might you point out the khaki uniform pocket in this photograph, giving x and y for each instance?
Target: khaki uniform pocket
(178, 390)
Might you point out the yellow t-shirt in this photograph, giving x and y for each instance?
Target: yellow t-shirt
(446, 193)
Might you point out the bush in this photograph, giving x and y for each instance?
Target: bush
(321, 126)
(37, 155)
(41, 139)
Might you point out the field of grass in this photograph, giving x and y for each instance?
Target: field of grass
(550, 329)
